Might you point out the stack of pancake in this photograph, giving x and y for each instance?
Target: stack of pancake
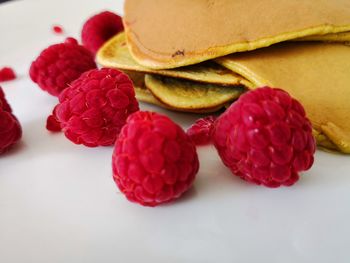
(201, 55)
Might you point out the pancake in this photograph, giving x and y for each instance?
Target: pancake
(189, 95)
(115, 54)
(317, 74)
(144, 95)
(141, 92)
(137, 78)
(343, 37)
(174, 33)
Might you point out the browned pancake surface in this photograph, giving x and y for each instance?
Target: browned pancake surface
(172, 33)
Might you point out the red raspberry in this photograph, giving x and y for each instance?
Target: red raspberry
(99, 28)
(3, 102)
(154, 161)
(10, 129)
(265, 138)
(6, 74)
(58, 65)
(94, 108)
(201, 131)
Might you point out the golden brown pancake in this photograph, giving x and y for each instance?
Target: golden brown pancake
(115, 54)
(343, 37)
(189, 95)
(317, 74)
(141, 92)
(144, 95)
(137, 78)
(173, 33)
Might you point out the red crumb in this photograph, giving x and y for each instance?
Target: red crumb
(7, 73)
(57, 29)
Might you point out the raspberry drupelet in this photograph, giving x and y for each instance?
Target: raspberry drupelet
(7, 73)
(201, 131)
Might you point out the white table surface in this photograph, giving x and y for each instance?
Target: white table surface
(58, 202)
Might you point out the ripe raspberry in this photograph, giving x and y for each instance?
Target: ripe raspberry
(99, 28)
(6, 74)
(201, 131)
(10, 129)
(58, 65)
(265, 138)
(93, 109)
(154, 161)
(3, 102)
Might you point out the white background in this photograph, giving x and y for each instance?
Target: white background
(58, 202)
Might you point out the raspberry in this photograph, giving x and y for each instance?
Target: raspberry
(200, 131)
(154, 161)
(93, 109)
(99, 28)
(58, 65)
(265, 138)
(3, 102)
(10, 128)
(6, 74)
